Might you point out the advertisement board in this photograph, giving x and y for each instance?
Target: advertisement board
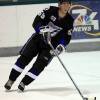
(87, 19)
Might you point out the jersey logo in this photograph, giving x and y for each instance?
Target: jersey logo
(53, 18)
(54, 30)
(42, 15)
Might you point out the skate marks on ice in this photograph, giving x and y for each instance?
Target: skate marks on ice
(57, 93)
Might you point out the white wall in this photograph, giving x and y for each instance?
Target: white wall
(16, 23)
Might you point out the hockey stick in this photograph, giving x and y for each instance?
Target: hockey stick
(84, 98)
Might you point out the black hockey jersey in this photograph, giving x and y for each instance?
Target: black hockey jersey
(60, 26)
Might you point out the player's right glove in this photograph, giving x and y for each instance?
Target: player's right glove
(45, 31)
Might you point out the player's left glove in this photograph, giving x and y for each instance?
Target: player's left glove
(59, 49)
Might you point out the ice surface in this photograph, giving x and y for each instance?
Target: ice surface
(53, 83)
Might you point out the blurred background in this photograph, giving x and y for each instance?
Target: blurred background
(17, 16)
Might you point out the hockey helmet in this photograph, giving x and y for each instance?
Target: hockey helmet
(61, 1)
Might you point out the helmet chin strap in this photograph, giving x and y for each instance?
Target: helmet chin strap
(61, 14)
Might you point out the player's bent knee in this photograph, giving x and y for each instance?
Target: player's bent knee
(22, 61)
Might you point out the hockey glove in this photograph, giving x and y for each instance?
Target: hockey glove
(45, 31)
(59, 49)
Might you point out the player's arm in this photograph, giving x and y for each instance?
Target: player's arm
(61, 47)
(67, 37)
(68, 33)
(40, 20)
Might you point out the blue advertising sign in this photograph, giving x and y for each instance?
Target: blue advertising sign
(87, 19)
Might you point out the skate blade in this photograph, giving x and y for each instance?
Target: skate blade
(19, 91)
(6, 90)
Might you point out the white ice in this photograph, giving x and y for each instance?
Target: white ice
(53, 83)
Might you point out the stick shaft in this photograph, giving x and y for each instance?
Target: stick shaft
(66, 71)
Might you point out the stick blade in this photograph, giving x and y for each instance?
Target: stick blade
(92, 98)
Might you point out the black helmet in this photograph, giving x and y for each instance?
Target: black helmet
(69, 1)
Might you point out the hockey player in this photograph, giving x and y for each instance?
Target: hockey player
(58, 23)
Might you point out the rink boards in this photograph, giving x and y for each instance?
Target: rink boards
(17, 28)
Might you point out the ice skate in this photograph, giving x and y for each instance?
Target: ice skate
(21, 87)
(9, 84)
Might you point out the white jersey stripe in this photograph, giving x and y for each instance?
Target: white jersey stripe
(17, 68)
(31, 75)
